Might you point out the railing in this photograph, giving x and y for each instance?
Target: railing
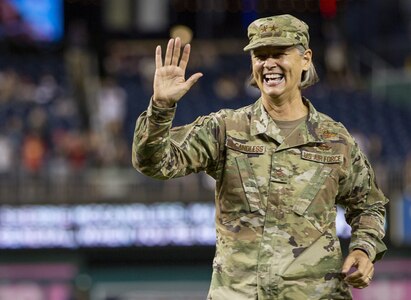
(102, 186)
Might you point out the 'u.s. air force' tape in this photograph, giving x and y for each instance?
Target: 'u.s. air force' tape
(322, 158)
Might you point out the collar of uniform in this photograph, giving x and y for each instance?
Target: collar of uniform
(260, 121)
(314, 119)
(259, 118)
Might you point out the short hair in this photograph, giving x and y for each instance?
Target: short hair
(308, 78)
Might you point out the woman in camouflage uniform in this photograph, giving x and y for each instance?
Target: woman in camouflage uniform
(280, 166)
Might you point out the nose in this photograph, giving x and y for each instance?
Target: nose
(270, 62)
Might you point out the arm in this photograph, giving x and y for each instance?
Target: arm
(162, 152)
(366, 215)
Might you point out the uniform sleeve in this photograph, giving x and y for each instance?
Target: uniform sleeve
(163, 152)
(365, 207)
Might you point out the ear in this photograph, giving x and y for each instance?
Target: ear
(307, 58)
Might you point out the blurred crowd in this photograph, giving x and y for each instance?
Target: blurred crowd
(43, 135)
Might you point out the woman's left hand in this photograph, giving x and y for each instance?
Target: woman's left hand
(362, 276)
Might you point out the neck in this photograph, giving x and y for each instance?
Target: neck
(288, 110)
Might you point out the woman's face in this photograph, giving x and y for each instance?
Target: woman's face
(277, 71)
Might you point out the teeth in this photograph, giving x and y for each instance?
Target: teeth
(268, 77)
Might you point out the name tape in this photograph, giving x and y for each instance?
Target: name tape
(242, 147)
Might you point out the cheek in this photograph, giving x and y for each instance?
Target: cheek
(257, 67)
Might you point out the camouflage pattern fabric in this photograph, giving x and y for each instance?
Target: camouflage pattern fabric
(282, 30)
(275, 197)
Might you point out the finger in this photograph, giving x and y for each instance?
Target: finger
(177, 50)
(359, 285)
(169, 52)
(360, 277)
(185, 57)
(159, 62)
(371, 274)
(193, 79)
(365, 268)
(360, 274)
(348, 264)
(355, 278)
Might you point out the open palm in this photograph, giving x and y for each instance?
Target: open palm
(169, 79)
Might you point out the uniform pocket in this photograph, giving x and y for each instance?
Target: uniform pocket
(241, 194)
(309, 205)
(321, 260)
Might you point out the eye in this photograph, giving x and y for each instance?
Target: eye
(265, 56)
(279, 54)
(260, 56)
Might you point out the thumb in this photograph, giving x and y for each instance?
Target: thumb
(348, 263)
(193, 79)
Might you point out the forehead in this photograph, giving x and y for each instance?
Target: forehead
(272, 49)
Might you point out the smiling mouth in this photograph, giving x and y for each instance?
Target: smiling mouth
(273, 79)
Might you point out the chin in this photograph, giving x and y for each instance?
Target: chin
(273, 94)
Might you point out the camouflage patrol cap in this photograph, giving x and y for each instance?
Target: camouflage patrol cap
(281, 30)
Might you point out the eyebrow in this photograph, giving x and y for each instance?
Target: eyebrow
(273, 49)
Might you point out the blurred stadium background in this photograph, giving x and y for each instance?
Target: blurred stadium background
(77, 222)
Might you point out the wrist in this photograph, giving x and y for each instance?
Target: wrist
(162, 103)
(362, 250)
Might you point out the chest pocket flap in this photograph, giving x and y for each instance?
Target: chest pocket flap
(311, 190)
(249, 183)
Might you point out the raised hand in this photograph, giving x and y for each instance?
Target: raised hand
(170, 84)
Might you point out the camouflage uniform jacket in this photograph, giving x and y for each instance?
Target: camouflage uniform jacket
(275, 198)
